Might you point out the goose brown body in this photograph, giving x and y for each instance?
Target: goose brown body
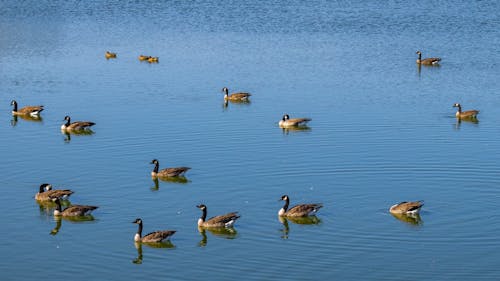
(235, 96)
(153, 59)
(153, 237)
(301, 210)
(74, 210)
(286, 121)
(46, 193)
(465, 114)
(226, 220)
(76, 126)
(427, 61)
(109, 55)
(407, 207)
(143, 57)
(27, 110)
(167, 172)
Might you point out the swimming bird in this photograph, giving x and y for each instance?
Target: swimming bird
(27, 110)
(46, 193)
(153, 59)
(427, 61)
(301, 210)
(226, 220)
(72, 211)
(235, 96)
(167, 172)
(144, 58)
(153, 237)
(465, 114)
(408, 208)
(77, 125)
(110, 55)
(287, 122)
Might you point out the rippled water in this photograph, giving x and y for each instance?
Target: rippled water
(383, 131)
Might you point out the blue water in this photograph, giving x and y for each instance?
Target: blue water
(383, 131)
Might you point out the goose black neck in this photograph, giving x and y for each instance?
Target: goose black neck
(459, 109)
(139, 231)
(419, 56)
(58, 205)
(287, 202)
(15, 106)
(68, 121)
(42, 190)
(157, 166)
(203, 214)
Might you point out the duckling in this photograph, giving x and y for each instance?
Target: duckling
(287, 122)
(235, 96)
(427, 61)
(144, 58)
(46, 193)
(72, 211)
(110, 55)
(301, 210)
(27, 110)
(226, 220)
(465, 114)
(77, 125)
(153, 60)
(408, 208)
(167, 172)
(153, 237)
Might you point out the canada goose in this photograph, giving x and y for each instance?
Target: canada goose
(408, 208)
(46, 193)
(465, 114)
(301, 210)
(287, 122)
(110, 55)
(235, 96)
(77, 125)
(153, 59)
(226, 220)
(167, 172)
(144, 58)
(153, 237)
(427, 61)
(72, 211)
(27, 110)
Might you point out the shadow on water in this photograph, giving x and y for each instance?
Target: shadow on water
(178, 180)
(312, 220)
(28, 118)
(67, 134)
(223, 232)
(159, 245)
(59, 220)
(413, 220)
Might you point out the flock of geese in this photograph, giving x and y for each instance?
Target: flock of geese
(47, 194)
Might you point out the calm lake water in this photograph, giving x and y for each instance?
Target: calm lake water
(383, 131)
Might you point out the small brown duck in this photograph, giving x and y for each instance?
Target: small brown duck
(226, 220)
(76, 126)
(167, 172)
(465, 114)
(153, 60)
(27, 110)
(301, 210)
(407, 208)
(427, 61)
(109, 55)
(46, 193)
(153, 237)
(73, 211)
(235, 96)
(144, 58)
(287, 122)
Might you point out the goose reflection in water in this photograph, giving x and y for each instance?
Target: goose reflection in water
(225, 104)
(160, 245)
(59, 219)
(303, 128)
(47, 207)
(409, 219)
(29, 118)
(223, 232)
(67, 134)
(458, 123)
(312, 220)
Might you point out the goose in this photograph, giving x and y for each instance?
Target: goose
(427, 61)
(235, 96)
(408, 208)
(144, 58)
(153, 59)
(301, 210)
(27, 110)
(287, 122)
(72, 211)
(76, 126)
(465, 114)
(167, 172)
(153, 237)
(46, 193)
(226, 220)
(110, 55)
